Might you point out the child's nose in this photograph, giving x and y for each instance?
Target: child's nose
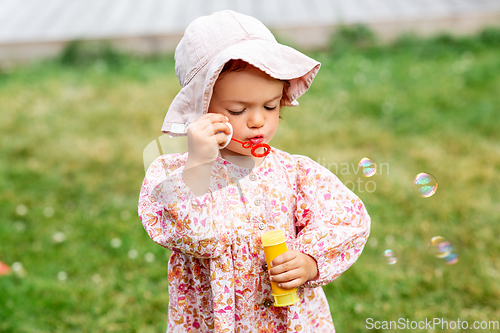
(257, 118)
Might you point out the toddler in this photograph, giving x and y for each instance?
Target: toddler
(211, 204)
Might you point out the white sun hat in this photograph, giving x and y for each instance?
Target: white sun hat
(209, 42)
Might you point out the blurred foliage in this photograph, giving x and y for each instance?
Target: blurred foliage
(360, 39)
(85, 53)
(352, 38)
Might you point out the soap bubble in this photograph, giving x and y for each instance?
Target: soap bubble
(132, 254)
(368, 167)
(451, 259)
(116, 243)
(62, 276)
(58, 237)
(21, 210)
(441, 248)
(391, 259)
(149, 257)
(18, 269)
(96, 278)
(425, 185)
(20, 226)
(48, 211)
(17, 266)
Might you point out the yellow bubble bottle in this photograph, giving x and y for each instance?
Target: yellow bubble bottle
(274, 243)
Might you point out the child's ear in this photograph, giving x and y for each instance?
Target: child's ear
(286, 85)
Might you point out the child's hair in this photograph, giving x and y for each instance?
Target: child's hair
(237, 65)
(233, 65)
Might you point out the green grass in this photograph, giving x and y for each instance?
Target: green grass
(72, 135)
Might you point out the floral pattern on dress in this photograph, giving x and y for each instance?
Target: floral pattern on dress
(217, 278)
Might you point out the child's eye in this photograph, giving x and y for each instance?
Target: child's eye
(269, 108)
(235, 113)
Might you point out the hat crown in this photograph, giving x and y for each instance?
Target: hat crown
(206, 36)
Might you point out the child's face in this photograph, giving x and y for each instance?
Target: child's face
(251, 100)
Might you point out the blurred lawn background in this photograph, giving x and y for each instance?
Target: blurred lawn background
(73, 130)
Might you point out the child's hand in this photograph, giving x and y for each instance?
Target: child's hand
(203, 140)
(292, 269)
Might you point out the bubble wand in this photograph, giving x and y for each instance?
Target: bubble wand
(248, 144)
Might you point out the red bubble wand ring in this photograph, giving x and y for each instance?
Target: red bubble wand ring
(248, 144)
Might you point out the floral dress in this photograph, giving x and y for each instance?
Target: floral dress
(218, 280)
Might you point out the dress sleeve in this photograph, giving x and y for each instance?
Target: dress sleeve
(332, 222)
(175, 218)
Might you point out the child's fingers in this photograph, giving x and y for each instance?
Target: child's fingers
(221, 128)
(290, 279)
(291, 284)
(282, 268)
(284, 263)
(285, 276)
(210, 125)
(283, 258)
(289, 269)
(209, 128)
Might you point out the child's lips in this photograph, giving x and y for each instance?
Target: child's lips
(256, 140)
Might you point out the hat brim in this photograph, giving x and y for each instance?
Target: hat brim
(278, 61)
